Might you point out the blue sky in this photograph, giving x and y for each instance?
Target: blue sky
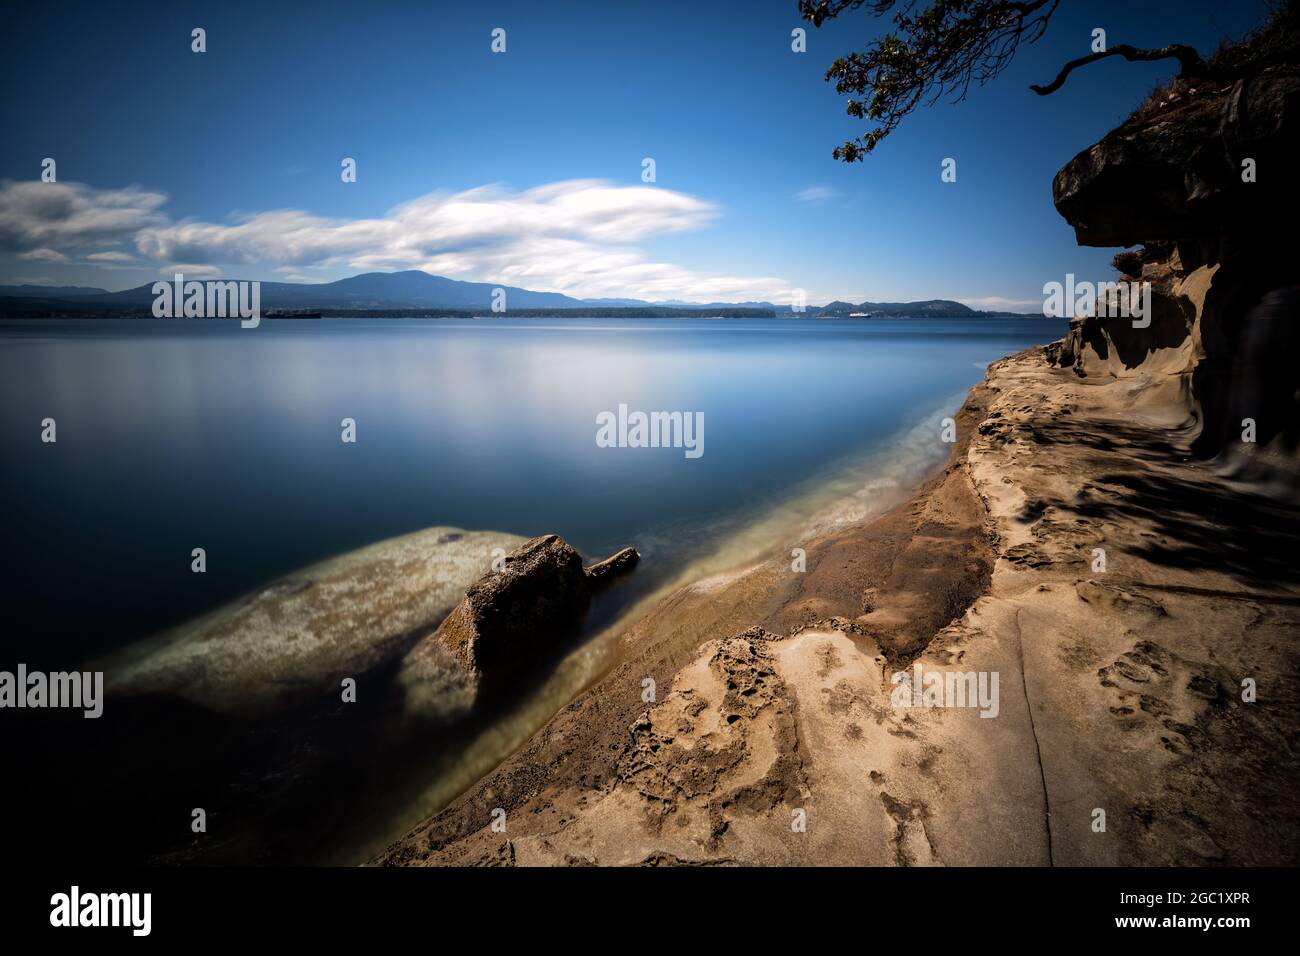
(525, 167)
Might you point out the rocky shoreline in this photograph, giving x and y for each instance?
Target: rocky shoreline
(1074, 644)
(1111, 540)
(1121, 689)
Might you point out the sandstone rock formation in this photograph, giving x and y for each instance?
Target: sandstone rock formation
(1079, 545)
(615, 566)
(772, 737)
(1200, 174)
(512, 617)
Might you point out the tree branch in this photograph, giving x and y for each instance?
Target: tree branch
(1192, 64)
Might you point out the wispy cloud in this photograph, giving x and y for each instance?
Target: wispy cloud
(196, 270)
(816, 194)
(43, 254)
(433, 225)
(66, 216)
(576, 236)
(995, 303)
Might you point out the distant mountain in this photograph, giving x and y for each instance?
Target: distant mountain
(375, 292)
(411, 289)
(748, 304)
(928, 308)
(48, 291)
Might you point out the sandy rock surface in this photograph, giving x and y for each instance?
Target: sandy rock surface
(306, 632)
(773, 738)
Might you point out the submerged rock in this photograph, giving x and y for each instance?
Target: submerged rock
(513, 616)
(540, 588)
(300, 636)
(615, 566)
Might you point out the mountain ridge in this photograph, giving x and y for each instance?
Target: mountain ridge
(414, 289)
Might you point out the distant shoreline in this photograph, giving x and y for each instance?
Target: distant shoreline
(10, 312)
(418, 294)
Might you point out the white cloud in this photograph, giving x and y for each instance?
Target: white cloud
(191, 270)
(575, 237)
(35, 215)
(816, 194)
(435, 224)
(995, 303)
(578, 237)
(43, 254)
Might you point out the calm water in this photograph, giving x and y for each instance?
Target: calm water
(174, 435)
(191, 434)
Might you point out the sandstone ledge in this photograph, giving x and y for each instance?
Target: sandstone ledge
(1120, 689)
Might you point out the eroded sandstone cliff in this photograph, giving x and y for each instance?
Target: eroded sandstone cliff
(1201, 177)
(1095, 542)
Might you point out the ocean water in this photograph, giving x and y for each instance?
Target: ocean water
(173, 435)
(182, 434)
